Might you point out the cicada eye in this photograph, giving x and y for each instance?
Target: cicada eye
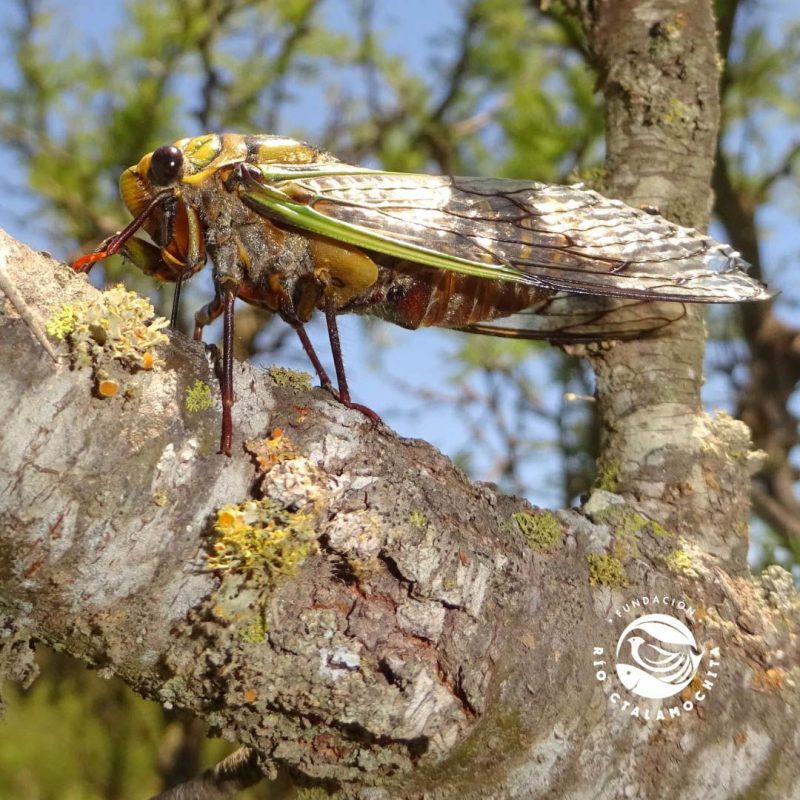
(165, 165)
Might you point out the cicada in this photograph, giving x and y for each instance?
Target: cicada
(293, 230)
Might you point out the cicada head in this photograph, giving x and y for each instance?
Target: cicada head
(173, 224)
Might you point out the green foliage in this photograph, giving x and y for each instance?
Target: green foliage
(68, 724)
(72, 736)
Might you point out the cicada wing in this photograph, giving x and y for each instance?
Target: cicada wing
(557, 237)
(571, 318)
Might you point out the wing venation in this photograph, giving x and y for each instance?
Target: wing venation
(560, 237)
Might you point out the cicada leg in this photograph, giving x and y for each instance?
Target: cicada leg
(223, 303)
(148, 258)
(322, 373)
(338, 362)
(176, 301)
(120, 239)
(336, 351)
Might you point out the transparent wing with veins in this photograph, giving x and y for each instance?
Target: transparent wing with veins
(558, 237)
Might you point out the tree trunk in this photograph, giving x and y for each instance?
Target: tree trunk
(392, 630)
(660, 79)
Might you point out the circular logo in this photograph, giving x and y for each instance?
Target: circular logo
(657, 656)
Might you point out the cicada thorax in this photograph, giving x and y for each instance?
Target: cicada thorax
(419, 297)
(273, 266)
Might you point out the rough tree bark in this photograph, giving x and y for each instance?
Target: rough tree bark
(660, 73)
(415, 635)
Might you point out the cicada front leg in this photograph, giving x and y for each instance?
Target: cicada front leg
(121, 239)
(226, 290)
(148, 258)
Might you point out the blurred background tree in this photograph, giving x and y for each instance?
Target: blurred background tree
(502, 88)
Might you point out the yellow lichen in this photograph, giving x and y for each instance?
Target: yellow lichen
(418, 519)
(275, 449)
(606, 570)
(160, 497)
(290, 378)
(679, 561)
(199, 397)
(541, 531)
(628, 527)
(262, 534)
(678, 113)
(62, 322)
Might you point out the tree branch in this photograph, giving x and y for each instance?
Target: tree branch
(414, 632)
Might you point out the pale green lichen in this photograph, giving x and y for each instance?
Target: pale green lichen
(608, 474)
(628, 528)
(628, 524)
(313, 793)
(678, 113)
(541, 531)
(255, 632)
(115, 324)
(657, 529)
(262, 534)
(418, 519)
(606, 570)
(199, 397)
(290, 378)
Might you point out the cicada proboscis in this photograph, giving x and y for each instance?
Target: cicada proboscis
(292, 230)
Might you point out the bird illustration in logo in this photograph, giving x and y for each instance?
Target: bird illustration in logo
(658, 670)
